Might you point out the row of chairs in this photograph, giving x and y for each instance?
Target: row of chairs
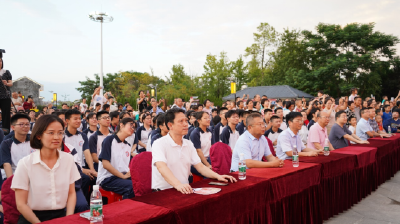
(140, 168)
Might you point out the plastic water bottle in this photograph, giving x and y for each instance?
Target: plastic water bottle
(326, 147)
(295, 160)
(389, 130)
(96, 206)
(242, 167)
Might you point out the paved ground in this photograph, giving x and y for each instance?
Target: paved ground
(382, 206)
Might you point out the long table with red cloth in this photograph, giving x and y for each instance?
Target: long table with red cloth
(315, 191)
(126, 211)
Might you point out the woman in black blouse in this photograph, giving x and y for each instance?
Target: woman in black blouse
(5, 95)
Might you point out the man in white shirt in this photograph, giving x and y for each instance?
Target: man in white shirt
(173, 156)
(290, 138)
(83, 106)
(16, 100)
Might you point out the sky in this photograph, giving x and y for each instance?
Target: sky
(55, 43)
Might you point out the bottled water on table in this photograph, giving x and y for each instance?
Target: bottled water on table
(389, 130)
(242, 167)
(295, 160)
(326, 147)
(96, 206)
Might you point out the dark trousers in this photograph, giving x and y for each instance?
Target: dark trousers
(5, 106)
(87, 184)
(44, 215)
(119, 186)
(81, 203)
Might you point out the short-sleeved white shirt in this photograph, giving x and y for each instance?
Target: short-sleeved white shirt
(178, 159)
(48, 188)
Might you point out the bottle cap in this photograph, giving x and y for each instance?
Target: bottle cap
(95, 187)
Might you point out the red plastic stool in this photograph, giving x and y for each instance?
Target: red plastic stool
(197, 178)
(111, 196)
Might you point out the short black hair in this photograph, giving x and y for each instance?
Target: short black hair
(69, 113)
(243, 113)
(106, 106)
(339, 113)
(40, 127)
(98, 115)
(238, 102)
(90, 115)
(267, 110)
(17, 116)
(356, 98)
(216, 119)
(61, 104)
(292, 115)
(114, 114)
(160, 120)
(205, 101)
(279, 108)
(170, 115)
(321, 91)
(222, 108)
(274, 117)
(230, 113)
(214, 110)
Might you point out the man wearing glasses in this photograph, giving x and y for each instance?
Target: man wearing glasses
(290, 138)
(16, 147)
(340, 135)
(254, 146)
(318, 133)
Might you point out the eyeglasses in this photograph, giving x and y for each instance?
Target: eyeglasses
(23, 125)
(61, 134)
(105, 118)
(93, 118)
(325, 117)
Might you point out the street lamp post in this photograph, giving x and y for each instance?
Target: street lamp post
(101, 17)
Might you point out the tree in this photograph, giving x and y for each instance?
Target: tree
(240, 72)
(265, 41)
(338, 58)
(88, 86)
(215, 83)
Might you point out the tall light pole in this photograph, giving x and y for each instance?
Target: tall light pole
(154, 87)
(101, 17)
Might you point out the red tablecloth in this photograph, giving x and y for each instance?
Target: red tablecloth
(293, 192)
(126, 211)
(338, 181)
(366, 168)
(388, 154)
(242, 202)
(365, 155)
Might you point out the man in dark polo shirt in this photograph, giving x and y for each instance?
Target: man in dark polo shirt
(340, 135)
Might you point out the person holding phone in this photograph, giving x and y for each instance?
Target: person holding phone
(142, 101)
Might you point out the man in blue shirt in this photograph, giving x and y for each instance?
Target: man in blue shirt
(364, 130)
(254, 146)
(394, 122)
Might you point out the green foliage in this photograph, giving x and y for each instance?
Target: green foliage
(334, 59)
